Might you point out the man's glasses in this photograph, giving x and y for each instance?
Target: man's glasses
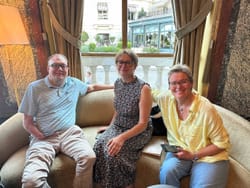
(124, 63)
(58, 65)
(181, 82)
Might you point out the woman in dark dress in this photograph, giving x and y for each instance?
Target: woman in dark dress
(120, 146)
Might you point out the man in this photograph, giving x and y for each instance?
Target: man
(49, 108)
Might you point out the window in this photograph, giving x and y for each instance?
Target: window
(147, 27)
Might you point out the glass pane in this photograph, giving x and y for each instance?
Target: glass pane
(151, 26)
(150, 30)
(102, 26)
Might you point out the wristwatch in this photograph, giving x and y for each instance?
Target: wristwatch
(195, 157)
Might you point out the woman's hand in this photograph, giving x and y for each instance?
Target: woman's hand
(115, 145)
(184, 154)
(209, 150)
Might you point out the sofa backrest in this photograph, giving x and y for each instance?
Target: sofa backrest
(95, 108)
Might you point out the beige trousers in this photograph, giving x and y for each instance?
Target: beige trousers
(41, 153)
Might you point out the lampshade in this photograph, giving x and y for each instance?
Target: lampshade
(12, 30)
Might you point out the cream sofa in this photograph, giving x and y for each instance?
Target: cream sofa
(95, 110)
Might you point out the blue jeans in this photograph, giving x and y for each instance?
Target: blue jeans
(203, 175)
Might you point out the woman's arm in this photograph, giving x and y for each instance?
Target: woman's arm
(145, 106)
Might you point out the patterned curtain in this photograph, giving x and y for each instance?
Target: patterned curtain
(62, 22)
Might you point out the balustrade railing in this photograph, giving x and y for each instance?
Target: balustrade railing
(154, 70)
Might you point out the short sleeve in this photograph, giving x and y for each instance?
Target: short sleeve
(28, 104)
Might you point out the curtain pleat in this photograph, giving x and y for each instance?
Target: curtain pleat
(190, 18)
(62, 22)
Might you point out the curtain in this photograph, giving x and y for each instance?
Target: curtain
(190, 17)
(62, 23)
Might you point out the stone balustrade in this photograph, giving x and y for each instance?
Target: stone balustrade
(154, 70)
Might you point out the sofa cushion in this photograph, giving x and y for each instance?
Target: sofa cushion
(238, 175)
(149, 163)
(90, 133)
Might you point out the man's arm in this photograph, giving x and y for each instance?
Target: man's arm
(31, 128)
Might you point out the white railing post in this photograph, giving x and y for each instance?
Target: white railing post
(145, 71)
(106, 71)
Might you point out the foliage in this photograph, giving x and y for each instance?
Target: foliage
(142, 13)
(119, 44)
(98, 39)
(106, 49)
(112, 39)
(92, 47)
(151, 50)
(129, 44)
(85, 48)
(84, 37)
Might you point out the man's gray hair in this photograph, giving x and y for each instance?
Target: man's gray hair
(62, 57)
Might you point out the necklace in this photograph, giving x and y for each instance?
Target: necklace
(181, 109)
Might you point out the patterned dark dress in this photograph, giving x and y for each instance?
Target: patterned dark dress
(119, 171)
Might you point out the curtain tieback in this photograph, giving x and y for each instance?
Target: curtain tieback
(64, 33)
(196, 21)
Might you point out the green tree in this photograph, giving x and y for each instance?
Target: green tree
(92, 47)
(112, 39)
(142, 13)
(98, 39)
(84, 36)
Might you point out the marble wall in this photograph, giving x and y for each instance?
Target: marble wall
(234, 86)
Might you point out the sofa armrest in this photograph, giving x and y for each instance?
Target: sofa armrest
(239, 133)
(12, 136)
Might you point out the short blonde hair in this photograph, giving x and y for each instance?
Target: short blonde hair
(181, 68)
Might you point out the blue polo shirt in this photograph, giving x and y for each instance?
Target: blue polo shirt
(53, 108)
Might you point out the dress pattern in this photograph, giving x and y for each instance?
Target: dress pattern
(119, 171)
